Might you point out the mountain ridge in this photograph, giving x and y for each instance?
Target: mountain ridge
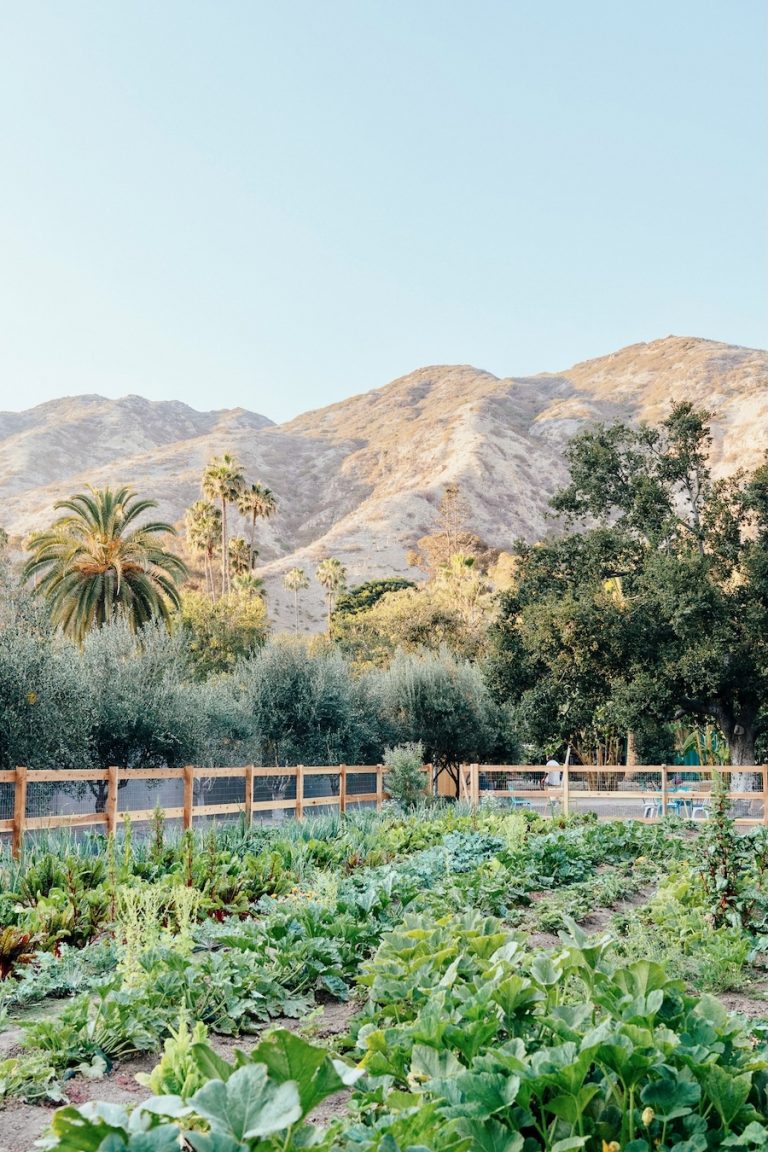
(361, 478)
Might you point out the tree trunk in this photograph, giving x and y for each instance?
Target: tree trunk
(224, 556)
(253, 541)
(632, 760)
(740, 734)
(741, 745)
(99, 788)
(296, 607)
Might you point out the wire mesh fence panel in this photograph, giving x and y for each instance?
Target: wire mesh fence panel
(318, 786)
(616, 793)
(276, 787)
(360, 784)
(213, 791)
(203, 823)
(322, 809)
(140, 795)
(69, 798)
(6, 801)
(145, 829)
(747, 793)
(274, 796)
(517, 786)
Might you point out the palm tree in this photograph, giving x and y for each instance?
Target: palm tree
(223, 481)
(95, 562)
(239, 556)
(248, 584)
(255, 500)
(332, 574)
(203, 529)
(296, 580)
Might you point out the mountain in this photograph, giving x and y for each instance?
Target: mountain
(361, 479)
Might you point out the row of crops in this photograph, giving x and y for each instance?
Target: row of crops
(515, 984)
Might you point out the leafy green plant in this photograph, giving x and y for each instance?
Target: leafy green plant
(726, 862)
(66, 972)
(257, 1103)
(179, 1072)
(676, 928)
(405, 778)
(31, 1078)
(16, 947)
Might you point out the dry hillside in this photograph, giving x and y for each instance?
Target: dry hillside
(360, 479)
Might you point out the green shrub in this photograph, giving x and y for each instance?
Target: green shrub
(405, 780)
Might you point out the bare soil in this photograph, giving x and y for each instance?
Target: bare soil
(22, 1124)
(600, 918)
(751, 1001)
(597, 919)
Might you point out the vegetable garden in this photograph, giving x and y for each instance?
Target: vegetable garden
(453, 978)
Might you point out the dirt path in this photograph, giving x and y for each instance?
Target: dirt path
(752, 1001)
(598, 918)
(22, 1124)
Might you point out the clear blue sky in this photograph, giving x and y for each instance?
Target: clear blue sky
(279, 203)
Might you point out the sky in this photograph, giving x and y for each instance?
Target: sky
(280, 203)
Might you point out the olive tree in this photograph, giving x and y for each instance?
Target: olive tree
(443, 703)
(45, 703)
(307, 707)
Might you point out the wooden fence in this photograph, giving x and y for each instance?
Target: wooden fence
(641, 792)
(111, 816)
(644, 792)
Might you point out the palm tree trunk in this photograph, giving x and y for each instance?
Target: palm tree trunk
(211, 576)
(296, 607)
(224, 557)
(253, 541)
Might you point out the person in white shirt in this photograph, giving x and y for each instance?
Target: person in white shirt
(554, 776)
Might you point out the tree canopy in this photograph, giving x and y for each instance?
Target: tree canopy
(656, 605)
(101, 559)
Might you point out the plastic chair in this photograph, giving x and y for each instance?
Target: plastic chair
(651, 807)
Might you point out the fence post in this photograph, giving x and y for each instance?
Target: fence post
(299, 809)
(19, 812)
(111, 808)
(475, 788)
(765, 793)
(189, 785)
(566, 787)
(342, 789)
(379, 786)
(664, 791)
(249, 795)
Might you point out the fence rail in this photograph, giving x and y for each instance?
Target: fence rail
(640, 792)
(644, 792)
(109, 815)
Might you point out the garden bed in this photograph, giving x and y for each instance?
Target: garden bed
(369, 939)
